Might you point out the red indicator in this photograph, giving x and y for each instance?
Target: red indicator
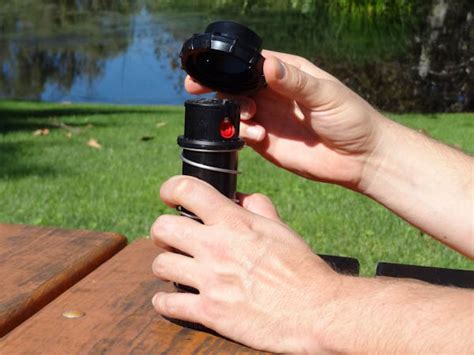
(227, 129)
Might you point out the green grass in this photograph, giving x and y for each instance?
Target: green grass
(54, 180)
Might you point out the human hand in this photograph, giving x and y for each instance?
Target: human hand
(307, 121)
(260, 284)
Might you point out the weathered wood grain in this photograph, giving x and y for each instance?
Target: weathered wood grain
(38, 264)
(119, 317)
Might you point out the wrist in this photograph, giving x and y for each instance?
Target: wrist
(378, 153)
(357, 318)
(410, 174)
(325, 336)
(330, 322)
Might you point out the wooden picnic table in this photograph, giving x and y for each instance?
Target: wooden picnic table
(109, 310)
(38, 264)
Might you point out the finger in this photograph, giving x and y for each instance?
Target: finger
(178, 268)
(295, 84)
(300, 63)
(259, 204)
(251, 131)
(175, 232)
(184, 306)
(248, 107)
(193, 87)
(286, 57)
(198, 197)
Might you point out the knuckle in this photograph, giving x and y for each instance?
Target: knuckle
(261, 198)
(301, 82)
(215, 298)
(245, 224)
(236, 219)
(185, 232)
(184, 187)
(253, 236)
(227, 290)
(305, 62)
(210, 312)
(218, 248)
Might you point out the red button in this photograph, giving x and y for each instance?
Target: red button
(227, 129)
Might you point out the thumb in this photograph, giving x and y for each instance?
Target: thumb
(259, 204)
(295, 84)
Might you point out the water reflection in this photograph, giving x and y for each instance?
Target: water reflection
(87, 51)
(56, 42)
(146, 72)
(400, 55)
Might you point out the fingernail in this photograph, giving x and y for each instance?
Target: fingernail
(281, 72)
(254, 133)
(298, 113)
(154, 299)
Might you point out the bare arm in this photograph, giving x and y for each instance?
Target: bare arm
(425, 182)
(261, 285)
(307, 122)
(394, 316)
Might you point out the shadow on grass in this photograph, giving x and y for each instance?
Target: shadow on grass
(9, 125)
(28, 117)
(12, 167)
(17, 116)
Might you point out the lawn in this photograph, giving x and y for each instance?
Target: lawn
(56, 179)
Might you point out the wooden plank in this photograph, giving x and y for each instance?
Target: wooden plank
(118, 315)
(38, 264)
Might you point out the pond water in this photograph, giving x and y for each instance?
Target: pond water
(400, 55)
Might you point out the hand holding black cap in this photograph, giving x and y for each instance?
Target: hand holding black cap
(225, 58)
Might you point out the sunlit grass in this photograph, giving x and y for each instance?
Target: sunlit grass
(57, 180)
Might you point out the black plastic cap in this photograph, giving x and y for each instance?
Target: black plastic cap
(236, 30)
(225, 58)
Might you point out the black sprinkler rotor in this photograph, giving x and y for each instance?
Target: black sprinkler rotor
(226, 58)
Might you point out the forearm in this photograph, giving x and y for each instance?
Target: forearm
(425, 182)
(386, 316)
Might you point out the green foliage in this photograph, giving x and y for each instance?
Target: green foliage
(58, 180)
(373, 46)
(358, 30)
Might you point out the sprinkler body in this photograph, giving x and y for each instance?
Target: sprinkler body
(211, 143)
(210, 147)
